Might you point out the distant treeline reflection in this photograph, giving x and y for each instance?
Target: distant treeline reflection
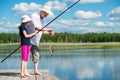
(66, 37)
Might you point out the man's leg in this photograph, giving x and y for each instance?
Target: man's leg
(35, 58)
(36, 69)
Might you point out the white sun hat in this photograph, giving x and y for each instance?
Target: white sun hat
(46, 9)
(25, 18)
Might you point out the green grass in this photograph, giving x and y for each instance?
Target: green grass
(11, 44)
(62, 46)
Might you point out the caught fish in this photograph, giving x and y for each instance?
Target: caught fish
(51, 50)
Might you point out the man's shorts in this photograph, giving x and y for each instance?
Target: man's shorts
(35, 53)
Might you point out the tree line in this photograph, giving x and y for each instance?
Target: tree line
(65, 37)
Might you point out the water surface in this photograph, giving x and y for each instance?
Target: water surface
(83, 64)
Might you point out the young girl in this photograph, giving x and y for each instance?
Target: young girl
(25, 44)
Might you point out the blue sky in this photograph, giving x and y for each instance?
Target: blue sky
(87, 16)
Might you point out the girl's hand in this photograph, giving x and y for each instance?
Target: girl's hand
(34, 34)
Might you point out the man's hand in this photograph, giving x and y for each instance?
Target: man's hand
(49, 30)
(51, 33)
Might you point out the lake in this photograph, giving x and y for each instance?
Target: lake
(82, 64)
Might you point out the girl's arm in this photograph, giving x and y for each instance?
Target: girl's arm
(28, 35)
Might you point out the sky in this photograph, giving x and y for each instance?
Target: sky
(96, 16)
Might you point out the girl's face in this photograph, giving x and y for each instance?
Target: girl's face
(27, 23)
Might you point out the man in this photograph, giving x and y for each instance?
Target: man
(36, 25)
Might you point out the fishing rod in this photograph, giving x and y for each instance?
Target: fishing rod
(42, 29)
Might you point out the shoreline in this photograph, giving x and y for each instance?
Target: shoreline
(59, 46)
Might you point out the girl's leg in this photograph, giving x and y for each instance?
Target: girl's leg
(24, 50)
(28, 53)
(26, 71)
(22, 68)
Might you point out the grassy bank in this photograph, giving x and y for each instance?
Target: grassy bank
(58, 46)
(62, 46)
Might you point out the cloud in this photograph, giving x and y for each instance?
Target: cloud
(99, 23)
(107, 24)
(87, 14)
(100, 26)
(87, 1)
(2, 22)
(3, 30)
(9, 27)
(82, 23)
(114, 15)
(3, 18)
(12, 24)
(74, 22)
(84, 26)
(56, 5)
(25, 8)
(71, 25)
(91, 1)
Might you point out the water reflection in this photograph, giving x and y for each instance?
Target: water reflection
(84, 64)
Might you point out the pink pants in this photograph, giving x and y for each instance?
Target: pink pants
(25, 52)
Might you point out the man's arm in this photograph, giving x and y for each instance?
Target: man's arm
(50, 33)
(37, 24)
(44, 29)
